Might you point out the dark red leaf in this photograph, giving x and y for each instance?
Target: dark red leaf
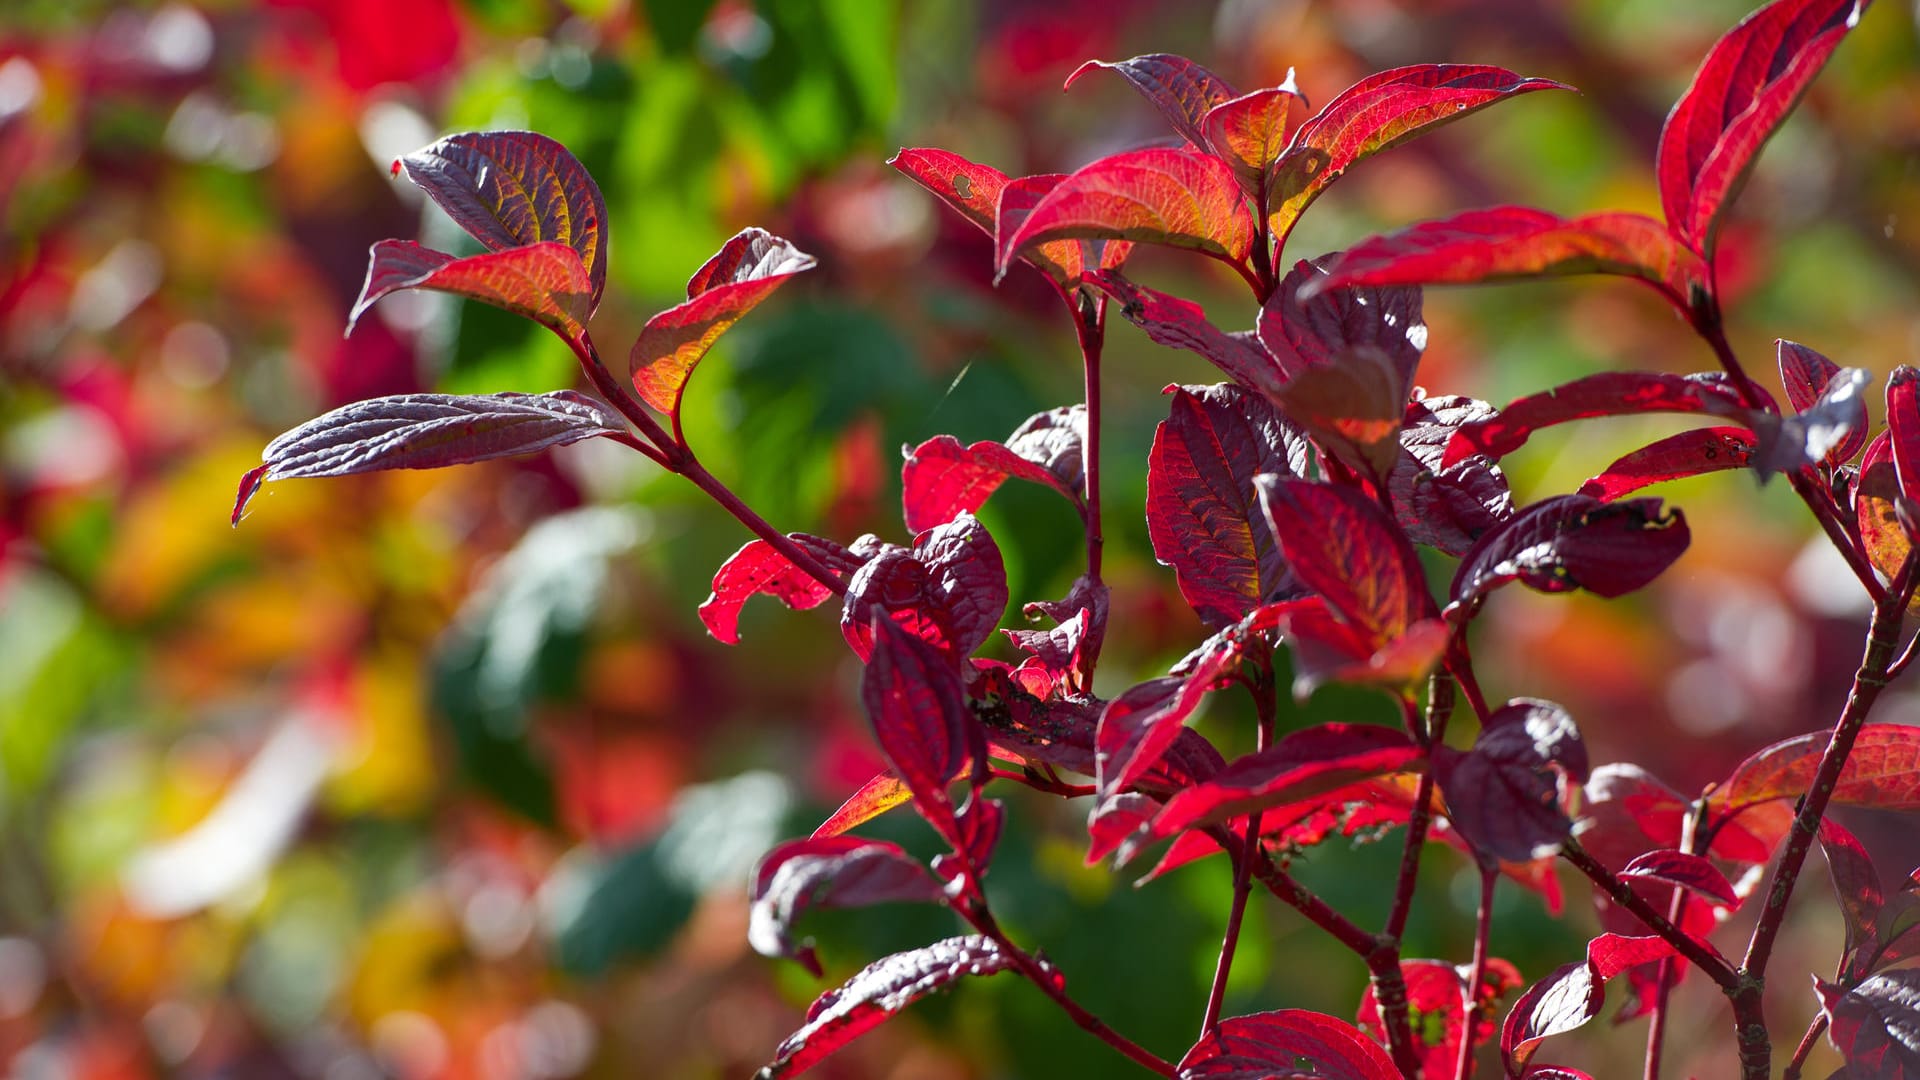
(1175, 198)
(1571, 996)
(913, 695)
(1903, 427)
(1857, 885)
(1574, 542)
(880, 990)
(834, 871)
(1447, 507)
(1436, 1009)
(1378, 112)
(427, 431)
(941, 477)
(975, 191)
(1831, 431)
(1328, 649)
(740, 275)
(512, 189)
(1339, 543)
(1627, 812)
(1058, 651)
(544, 282)
(1139, 725)
(1250, 133)
(1690, 453)
(1061, 735)
(1114, 818)
(1505, 794)
(875, 797)
(1692, 872)
(1748, 84)
(1609, 393)
(1803, 372)
(1182, 90)
(1302, 765)
(950, 589)
(1203, 514)
(757, 568)
(1286, 1041)
(1181, 324)
(1876, 1025)
(1508, 242)
(1882, 772)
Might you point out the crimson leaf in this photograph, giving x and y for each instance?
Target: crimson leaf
(1688, 871)
(1857, 885)
(950, 589)
(1690, 453)
(942, 477)
(1883, 771)
(1172, 197)
(1903, 427)
(832, 871)
(875, 797)
(1804, 372)
(1574, 542)
(1436, 1009)
(1139, 725)
(1182, 90)
(975, 191)
(1876, 1025)
(427, 431)
(544, 282)
(740, 275)
(1746, 86)
(1447, 507)
(1830, 431)
(913, 695)
(1571, 995)
(1250, 134)
(1340, 544)
(1504, 795)
(1203, 514)
(1286, 1042)
(877, 992)
(757, 568)
(1181, 324)
(1609, 393)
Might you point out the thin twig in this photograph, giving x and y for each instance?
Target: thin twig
(1807, 1043)
(1697, 952)
(1482, 930)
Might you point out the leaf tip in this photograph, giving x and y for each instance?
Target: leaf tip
(1082, 70)
(249, 485)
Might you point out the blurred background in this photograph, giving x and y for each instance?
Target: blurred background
(435, 775)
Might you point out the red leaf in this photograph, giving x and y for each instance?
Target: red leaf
(1436, 1010)
(819, 872)
(1182, 90)
(1250, 133)
(1269, 1044)
(975, 190)
(1903, 427)
(1339, 543)
(941, 477)
(1877, 498)
(1571, 996)
(757, 568)
(1691, 872)
(1857, 885)
(1807, 377)
(1876, 1025)
(877, 992)
(1447, 507)
(1202, 510)
(740, 275)
(1142, 723)
(512, 189)
(913, 695)
(1835, 423)
(1883, 771)
(1504, 795)
(1326, 649)
(1114, 818)
(1181, 324)
(1061, 734)
(544, 282)
(1172, 197)
(427, 431)
(1628, 812)
(1690, 453)
(1381, 111)
(1065, 261)
(950, 589)
(1507, 242)
(1302, 765)
(875, 797)
(1748, 84)
(1609, 393)
(1574, 542)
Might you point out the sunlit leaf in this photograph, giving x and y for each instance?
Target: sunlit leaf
(758, 569)
(1574, 542)
(1436, 1009)
(1882, 772)
(1339, 543)
(1690, 453)
(544, 282)
(1609, 393)
(875, 797)
(1181, 324)
(942, 477)
(1286, 1041)
(1174, 198)
(950, 589)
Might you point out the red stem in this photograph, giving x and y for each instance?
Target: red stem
(1482, 930)
(1691, 841)
(1089, 327)
(1439, 709)
(1262, 689)
(1807, 1042)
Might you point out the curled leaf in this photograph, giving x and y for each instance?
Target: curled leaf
(837, 871)
(544, 282)
(1574, 542)
(758, 569)
(942, 477)
(1182, 90)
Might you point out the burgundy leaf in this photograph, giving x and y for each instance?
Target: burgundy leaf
(1086, 595)
(1378, 112)
(1507, 242)
(1504, 795)
(427, 431)
(1876, 1025)
(1300, 766)
(974, 190)
(942, 478)
(835, 871)
(1286, 1042)
(757, 568)
(1339, 543)
(1574, 542)
(740, 275)
(1610, 393)
(1883, 771)
(1061, 735)
(1115, 818)
(1857, 885)
(1690, 453)
(913, 695)
(875, 797)
(949, 590)
(512, 189)
(1058, 651)
(1326, 649)
(1181, 324)
(1748, 84)
(1571, 996)
(1203, 514)
(1692, 872)
(1436, 1009)
(1182, 90)
(1627, 812)
(1250, 133)
(1447, 507)
(1175, 198)
(1804, 372)
(1903, 427)
(1830, 432)
(1139, 725)
(544, 282)
(877, 992)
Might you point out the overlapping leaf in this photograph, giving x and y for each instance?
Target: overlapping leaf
(1857, 886)
(1339, 543)
(1692, 872)
(942, 477)
(1203, 514)
(758, 569)
(1181, 324)
(913, 696)
(427, 431)
(1286, 1041)
(1182, 90)
(1748, 84)
(1571, 996)
(1447, 507)
(1139, 726)
(544, 282)
(950, 589)
(1250, 133)
(1883, 772)
(1504, 794)
(1437, 1011)
(976, 191)
(1690, 453)
(1574, 542)
(821, 872)
(1877, 500)
(877, 992)
(1876, 1025)
(1175, 198)
(1804, 373)
(1609, 393)
(740, 275)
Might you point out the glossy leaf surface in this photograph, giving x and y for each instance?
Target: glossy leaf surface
(1877, 497)
(1286, 1041)
(1876, 1025)
(1690, 453)
(840, 871)
(1883, 771)
(1856, 885)
(942, 477)
(1609, 393)
(740, 275)
(544, 282)
(1575, 542)
(1571, 995)
(950, 589)
(757, 569)
(1174, 198)
(1139, 726)
(427, 431)
(1503, 795)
